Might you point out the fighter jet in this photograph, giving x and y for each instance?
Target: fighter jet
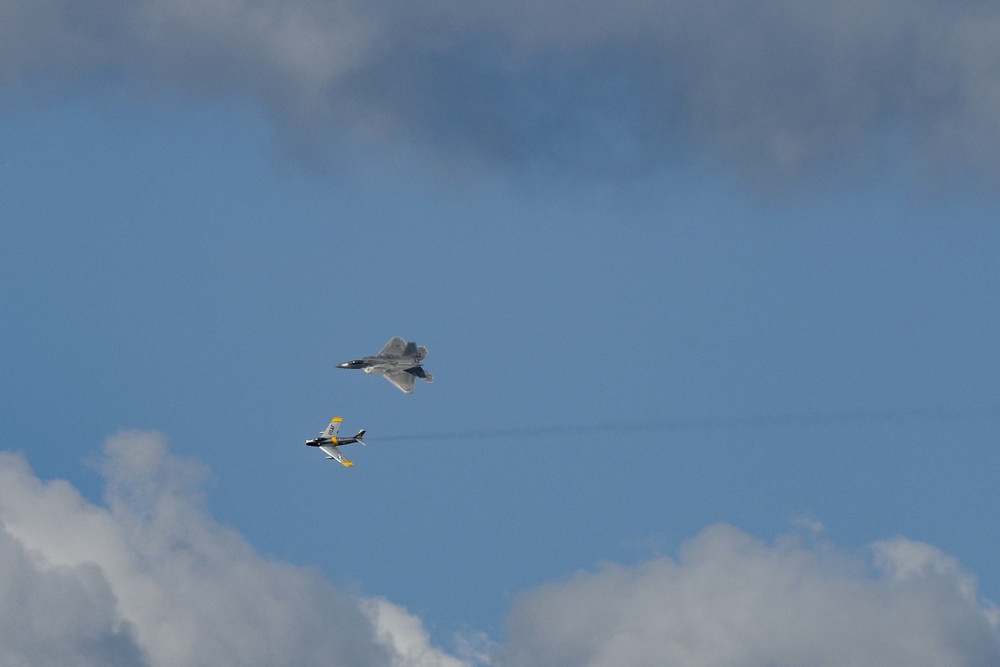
(398, 362)
(328, 441)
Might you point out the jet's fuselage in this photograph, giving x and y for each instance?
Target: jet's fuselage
(377, 364)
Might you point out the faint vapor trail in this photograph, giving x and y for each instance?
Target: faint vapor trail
(718, 423)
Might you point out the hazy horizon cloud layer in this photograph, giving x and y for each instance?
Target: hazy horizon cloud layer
(775, 90)
(151, 579)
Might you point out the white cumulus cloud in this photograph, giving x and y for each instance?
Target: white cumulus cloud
(149, 579)
(731, 600)
(152, 580)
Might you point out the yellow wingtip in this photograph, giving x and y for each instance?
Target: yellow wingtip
(337, 419)
(346, 464)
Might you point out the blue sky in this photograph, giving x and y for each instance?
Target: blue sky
(709, 310)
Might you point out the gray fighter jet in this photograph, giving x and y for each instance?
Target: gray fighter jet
(398, 362)
(328, 441)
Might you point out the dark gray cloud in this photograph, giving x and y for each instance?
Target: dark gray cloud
(773, 87)
(59, 616)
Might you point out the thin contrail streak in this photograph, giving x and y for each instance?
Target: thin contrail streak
(844, 418)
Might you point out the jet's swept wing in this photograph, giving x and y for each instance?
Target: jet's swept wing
(334, 453)
(331, 430)
(394, 348)
(401, 379)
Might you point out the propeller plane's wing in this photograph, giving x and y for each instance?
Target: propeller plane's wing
(331, 430)
(333, 453)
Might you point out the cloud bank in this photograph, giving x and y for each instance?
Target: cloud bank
(150, 580)
(732, 600)
(774, 88)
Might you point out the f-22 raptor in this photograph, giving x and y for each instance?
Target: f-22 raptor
(398, 362)
(328, 441)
